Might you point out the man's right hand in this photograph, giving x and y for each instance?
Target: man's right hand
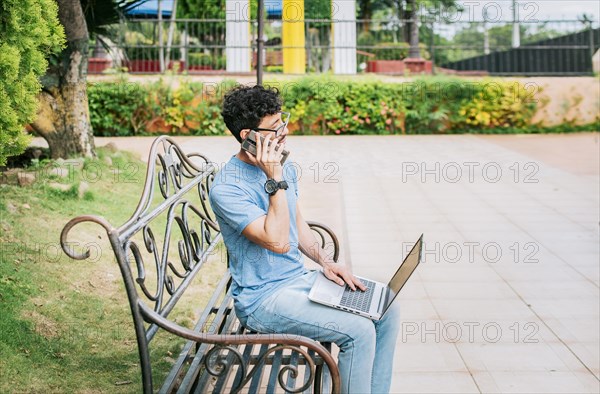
(268, 157)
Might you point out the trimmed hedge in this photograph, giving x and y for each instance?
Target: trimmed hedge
(424, 106)
(322, 106)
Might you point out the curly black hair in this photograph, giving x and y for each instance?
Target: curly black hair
(244, 107)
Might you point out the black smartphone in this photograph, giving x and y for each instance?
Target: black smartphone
(249, 145)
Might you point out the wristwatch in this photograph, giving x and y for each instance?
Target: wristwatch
(271, 186)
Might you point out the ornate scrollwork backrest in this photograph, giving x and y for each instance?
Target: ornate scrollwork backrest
(175, 168)
(171, 233)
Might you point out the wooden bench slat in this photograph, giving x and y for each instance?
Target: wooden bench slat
(274, 371)
(193, 379)
(192, 372)
(323, 375)
(221, 383)
(184, 355)
(286, 360)
(258, 376)
(312, 354)
(294, 358)
(247, 353)
(326, 379)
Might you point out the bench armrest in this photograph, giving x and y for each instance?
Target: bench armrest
(229, 341)
(326, 236)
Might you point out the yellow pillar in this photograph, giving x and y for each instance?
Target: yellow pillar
(294, 53)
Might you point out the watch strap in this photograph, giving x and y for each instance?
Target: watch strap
(282, 185)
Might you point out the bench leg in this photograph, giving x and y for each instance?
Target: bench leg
(318, 379)
(322, 377)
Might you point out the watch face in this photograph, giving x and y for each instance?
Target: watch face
(270, 186)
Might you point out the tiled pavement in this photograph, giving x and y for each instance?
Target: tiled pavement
(507, 299)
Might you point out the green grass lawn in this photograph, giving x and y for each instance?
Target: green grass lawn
(66, 324)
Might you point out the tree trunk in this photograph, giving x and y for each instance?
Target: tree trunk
(405, 16)
(366, 13)
(414, 51)
(325, 33)
(63, 118)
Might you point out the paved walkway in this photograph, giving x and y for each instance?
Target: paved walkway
(507, 299)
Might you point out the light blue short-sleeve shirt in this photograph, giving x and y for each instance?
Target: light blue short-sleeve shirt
(237, 197)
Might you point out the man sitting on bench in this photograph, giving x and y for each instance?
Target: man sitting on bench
(255, 201)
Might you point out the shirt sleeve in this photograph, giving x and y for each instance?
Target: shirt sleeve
(234, 206)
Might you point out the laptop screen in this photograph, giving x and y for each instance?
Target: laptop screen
(405, 271)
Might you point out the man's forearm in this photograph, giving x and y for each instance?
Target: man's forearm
(277, 222)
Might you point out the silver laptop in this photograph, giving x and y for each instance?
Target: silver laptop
(375, 301)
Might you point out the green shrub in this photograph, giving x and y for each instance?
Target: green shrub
(150, 52)
(207, 60)
(124, 108)
(29, 32)
(344, 107)
(274, 69)
(426, 105)
(497, 105)
(392, 50)
(322, 105)
(116, 108)
(172, 104)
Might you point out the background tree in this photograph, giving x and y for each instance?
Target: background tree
(404, 11)
(208, 33)
(411, 11)
(29, 31)
(318, 35)
(469, 41)
(63, 116)
(412, 24)
(202, 9)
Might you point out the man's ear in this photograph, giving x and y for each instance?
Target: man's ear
(244, 133)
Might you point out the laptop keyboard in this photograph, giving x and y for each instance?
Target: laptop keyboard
(360, 300)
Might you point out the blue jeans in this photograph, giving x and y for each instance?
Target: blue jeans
(366, 346)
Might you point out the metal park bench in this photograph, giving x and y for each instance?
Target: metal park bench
(162, 250)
